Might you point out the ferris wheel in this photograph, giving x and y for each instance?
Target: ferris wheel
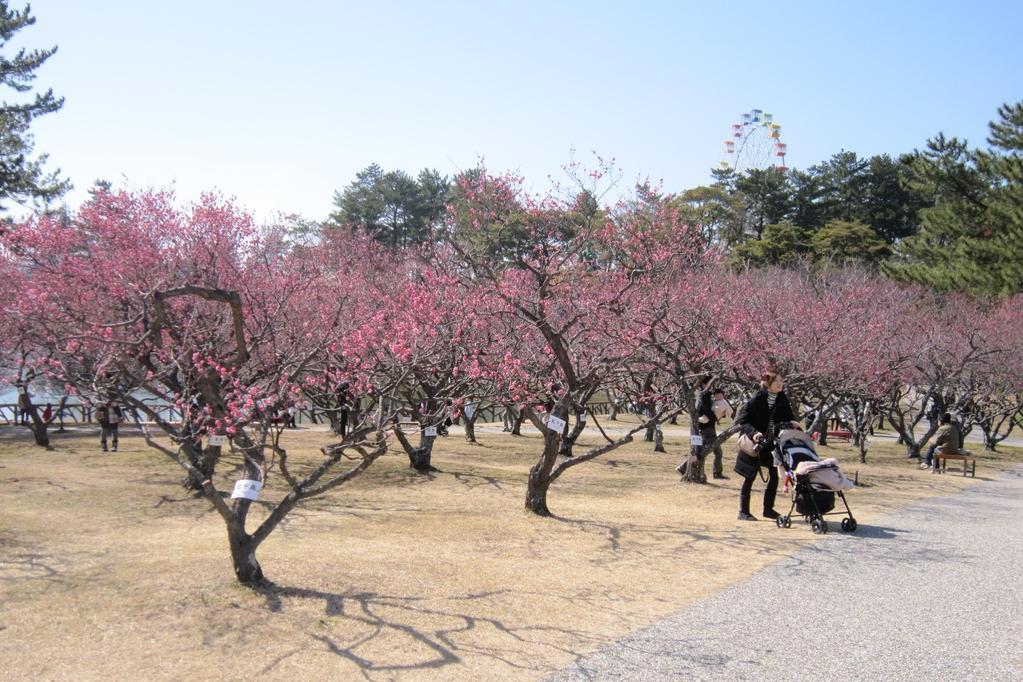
(755, 143)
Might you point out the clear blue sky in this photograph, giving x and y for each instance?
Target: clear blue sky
(280, 104)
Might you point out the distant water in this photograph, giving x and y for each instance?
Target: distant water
(9, 396)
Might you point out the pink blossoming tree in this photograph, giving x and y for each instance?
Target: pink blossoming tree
(207, 326)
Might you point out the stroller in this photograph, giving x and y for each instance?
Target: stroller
(816, 483)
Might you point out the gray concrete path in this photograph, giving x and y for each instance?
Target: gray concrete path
(932, 592)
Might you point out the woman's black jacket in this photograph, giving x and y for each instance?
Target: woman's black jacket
(755, 414)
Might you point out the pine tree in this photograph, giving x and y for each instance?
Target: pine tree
(397, 209)
(971, 239)
(1006, 205)
(22, 179)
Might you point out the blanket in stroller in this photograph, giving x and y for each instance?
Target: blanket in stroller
(824, 474)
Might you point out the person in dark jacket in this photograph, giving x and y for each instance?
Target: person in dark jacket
(767, 409)
(707, 417)
(109, 415)
(343, 406)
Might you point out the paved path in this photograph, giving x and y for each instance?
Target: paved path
(864, 606)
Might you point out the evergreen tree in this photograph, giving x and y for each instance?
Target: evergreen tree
(972, 237)
(710, 208)
(22, 179)
(780, 244)
(844, 179)
(810, 209)
(892, 207)
(766, 198)
(396, 208)
(871, 191)
(844, 241)
(1005, 164)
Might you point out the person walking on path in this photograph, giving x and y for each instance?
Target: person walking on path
(768, 408)
(707, 417)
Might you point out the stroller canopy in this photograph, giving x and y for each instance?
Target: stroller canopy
(795, 446)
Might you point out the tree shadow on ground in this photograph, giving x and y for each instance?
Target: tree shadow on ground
(618, 464)
(654, 541)
(28, 566)
(392, 639)
(471, 481)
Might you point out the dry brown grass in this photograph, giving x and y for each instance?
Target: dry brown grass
(108, 569)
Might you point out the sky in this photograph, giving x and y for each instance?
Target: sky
(280, 104)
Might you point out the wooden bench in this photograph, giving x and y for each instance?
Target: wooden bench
(965, 456)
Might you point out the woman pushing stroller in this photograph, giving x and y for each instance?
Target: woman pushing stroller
(758, 419)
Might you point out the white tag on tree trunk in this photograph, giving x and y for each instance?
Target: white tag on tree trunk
(696, 440)
(246, 489)
(216, 441)
(657, 427)
(582, 418)
(555, 424)
(430, 432)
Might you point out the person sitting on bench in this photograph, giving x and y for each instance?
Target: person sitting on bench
(948, 439)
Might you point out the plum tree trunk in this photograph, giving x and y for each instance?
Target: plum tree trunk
(243, 545)
(60, 414)
(539, 480)
(693, 469)
(570, 437)
(648, 436)
(659, 439)
(243, 556)
(520, 417)
(40, 429)
(205, 460)
(912, 445)
(419, 457)
(822, 428)
(536, 493)
(338, 421)
(989, 441)
(993, 433)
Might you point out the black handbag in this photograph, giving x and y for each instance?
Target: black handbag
(746, 466)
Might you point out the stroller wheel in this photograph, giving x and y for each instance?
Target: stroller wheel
(819, 526)
(780, 521)
(788, 522)
(849, 524)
